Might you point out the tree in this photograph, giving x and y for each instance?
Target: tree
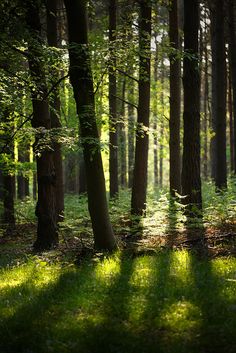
(175, 98)
(232, 64)
(139, 189)
(113, 133)
(191, 180)
(52, 35)
(47, 232)
(82, 83)
(219, 92)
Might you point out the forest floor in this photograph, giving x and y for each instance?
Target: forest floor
(169, 288)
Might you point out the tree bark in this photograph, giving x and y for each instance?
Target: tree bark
(47, 233)
(232, 64)
(82, 83)
(191, 180)
(113, 133)
(175, 99)
(139, 190)
(122, 139)
(52, 36)
(219, 90)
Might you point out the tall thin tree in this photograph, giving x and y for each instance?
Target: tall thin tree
(191, 180)
(82, 83)
(139, 189)
(113, 133)
(175, 98)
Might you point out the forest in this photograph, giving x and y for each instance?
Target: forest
(117, 176)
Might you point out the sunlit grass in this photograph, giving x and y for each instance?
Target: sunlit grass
(170, 302)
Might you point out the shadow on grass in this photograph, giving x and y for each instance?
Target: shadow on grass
(173, 302)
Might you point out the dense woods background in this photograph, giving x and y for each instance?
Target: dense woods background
(117, 176)
(92, 100)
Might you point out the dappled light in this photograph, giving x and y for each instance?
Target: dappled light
(170, 299)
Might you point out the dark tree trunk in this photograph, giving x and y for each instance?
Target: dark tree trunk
(232, 64)
(191, 180)
(47, 234)
(161, 144)
(113, 133)
(131, 135)
(231, 122)
(219, 90)
(155, 114)
(52, 35)
(82, 83)
(139, 190)
(175, 97)
(205, 116)
(122, 139)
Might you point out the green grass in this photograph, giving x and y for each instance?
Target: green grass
(170, 302)
(173, 301)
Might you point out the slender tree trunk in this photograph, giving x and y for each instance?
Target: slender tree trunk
(191, 180)
(52, 35)
(122, 139)
(232, 63)
(205, 117)
(161, 144)
(231, 122)
(219, 90)
(82, 83)
(47, 234)
(139, 190)
(131, 135)
(113, 133)
(155, 114)
(175, 99)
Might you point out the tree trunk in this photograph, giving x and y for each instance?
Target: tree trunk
(232, 62)
(205, 123)
(219, 90)
(139, 190)
(155, 112)
(231, 122)
(47, 234)
(175, 99)
(122, 139)
(113, 133)
(191, 180)
(52, 35)
(82, 83)
(131, 135)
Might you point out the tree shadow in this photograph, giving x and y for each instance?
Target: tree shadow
(217, 332)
